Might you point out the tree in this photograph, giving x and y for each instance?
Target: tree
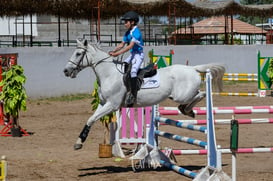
(257, 2)
(252, 19)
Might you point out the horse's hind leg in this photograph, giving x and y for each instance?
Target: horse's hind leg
(186, 109)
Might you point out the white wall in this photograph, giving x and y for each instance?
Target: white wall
(238, 58)
(8, 26)
(44, 71)
(44, 65)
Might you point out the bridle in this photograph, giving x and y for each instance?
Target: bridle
(78, 65)
(84, 54)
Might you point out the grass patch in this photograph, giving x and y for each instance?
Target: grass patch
(68, 98)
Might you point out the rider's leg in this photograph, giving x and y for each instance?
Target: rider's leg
(134, 87)
(136, 63)
(128, 67)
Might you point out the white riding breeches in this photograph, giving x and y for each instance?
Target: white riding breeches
(136, 60)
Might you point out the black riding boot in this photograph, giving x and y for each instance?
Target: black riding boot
(134, 87)
(133, 94)
(126, 67)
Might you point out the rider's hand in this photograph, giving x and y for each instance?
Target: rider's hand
(114, 54)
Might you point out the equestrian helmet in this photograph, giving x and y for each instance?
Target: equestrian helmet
(130, 15)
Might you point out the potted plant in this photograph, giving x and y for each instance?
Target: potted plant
(13, 95)
(105, 149)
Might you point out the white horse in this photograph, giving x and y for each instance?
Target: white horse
(177, 82)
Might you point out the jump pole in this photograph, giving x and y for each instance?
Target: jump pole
(232, 111)
(227, 121)
(181, 124)
(221, 108)
(241, 74)
(178, 169)
(236, 93)
(240, 79)
(224, 151)
(181, 138)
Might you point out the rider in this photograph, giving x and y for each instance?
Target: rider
(134, 41)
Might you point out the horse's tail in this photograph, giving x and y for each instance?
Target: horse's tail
(217, 71)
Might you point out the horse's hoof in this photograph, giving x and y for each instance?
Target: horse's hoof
(181, 108)
(191, 114)
(77, 146)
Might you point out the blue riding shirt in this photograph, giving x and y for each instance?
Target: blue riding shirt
(134, 35)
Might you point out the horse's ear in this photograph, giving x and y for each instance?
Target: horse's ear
(85, 43)
(79, 43)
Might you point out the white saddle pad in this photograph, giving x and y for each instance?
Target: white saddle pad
(151, 82)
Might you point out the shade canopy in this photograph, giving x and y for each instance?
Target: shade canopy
(85, 9)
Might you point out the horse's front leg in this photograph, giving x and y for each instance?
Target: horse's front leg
(100, 112)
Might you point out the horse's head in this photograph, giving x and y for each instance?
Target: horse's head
(82, 57)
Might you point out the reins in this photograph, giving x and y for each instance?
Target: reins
(116, 62)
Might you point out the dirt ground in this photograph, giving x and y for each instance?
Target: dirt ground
(48, 154)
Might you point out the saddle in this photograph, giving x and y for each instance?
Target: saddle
(142, 73)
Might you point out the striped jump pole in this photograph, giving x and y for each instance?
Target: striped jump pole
(181, 138)
(241, 74)
(235, 107)
(214, 108)
(178, 169)
(239, 79)
(233, 111)
(227, 121)
(181, 124)
(224, 151)
(235, 93)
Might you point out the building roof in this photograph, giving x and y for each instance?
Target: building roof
(216, 25)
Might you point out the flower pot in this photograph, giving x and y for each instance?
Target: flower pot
(105, 150)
